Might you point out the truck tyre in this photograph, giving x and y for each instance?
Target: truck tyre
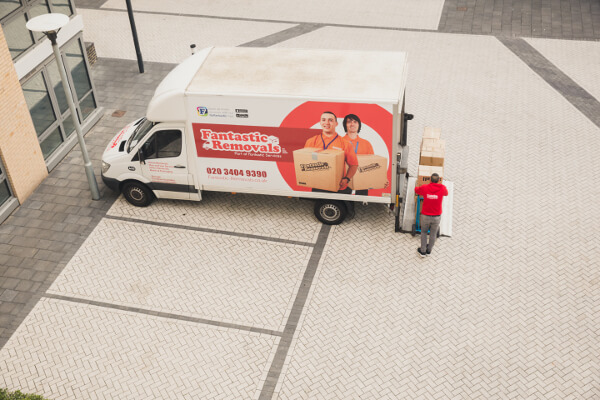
(137, 194)
(330, 212)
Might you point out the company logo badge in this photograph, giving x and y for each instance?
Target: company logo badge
(316, 166)
(369, 167)
(117, 139)
(202, 111)
(252, 142)
(241, 112)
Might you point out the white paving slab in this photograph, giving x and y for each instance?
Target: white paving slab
(216, 277)
(417, 14)
(67, 350)
(579, 60)
(481, 318)
(269, 216)
(166, 38)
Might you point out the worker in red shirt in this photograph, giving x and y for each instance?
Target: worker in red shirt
(431, 213)
(329, 139)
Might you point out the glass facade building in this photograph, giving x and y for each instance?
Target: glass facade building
(41, 83)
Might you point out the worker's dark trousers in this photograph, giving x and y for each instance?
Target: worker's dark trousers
(432, 224)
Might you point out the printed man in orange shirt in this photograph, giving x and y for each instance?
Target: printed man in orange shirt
(352, 126)
(329, 139)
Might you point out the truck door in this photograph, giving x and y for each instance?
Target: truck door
(165, 164)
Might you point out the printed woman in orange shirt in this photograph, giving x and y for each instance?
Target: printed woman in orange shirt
(352, 126)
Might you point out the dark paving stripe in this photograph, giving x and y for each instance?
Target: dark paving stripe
(282, 36)
(563, 19)
(273, 21)
(160, 314)
(210, 230)
(575, 94)
(292, 322)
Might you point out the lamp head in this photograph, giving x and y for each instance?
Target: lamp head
(49, 24)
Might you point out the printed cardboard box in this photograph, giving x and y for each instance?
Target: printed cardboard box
(432, 133)
(371, 172)
(425, 172)
(318, 168)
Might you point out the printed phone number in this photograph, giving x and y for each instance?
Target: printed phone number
(237, 172)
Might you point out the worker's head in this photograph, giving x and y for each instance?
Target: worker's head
(435, 178)
(328, 122)
(352, 123)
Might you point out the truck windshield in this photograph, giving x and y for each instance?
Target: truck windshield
(141, 130)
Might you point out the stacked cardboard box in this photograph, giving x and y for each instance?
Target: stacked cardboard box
(433, 152)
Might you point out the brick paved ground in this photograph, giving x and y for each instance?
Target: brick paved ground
(564, 19)
(249, 297)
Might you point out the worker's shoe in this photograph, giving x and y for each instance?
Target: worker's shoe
(421, 253)
(428, 252)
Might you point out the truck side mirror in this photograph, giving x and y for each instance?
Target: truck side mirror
(141, 156)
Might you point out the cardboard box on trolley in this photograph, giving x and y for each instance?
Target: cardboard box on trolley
(425, 172)
(371, 172)
(319, 169)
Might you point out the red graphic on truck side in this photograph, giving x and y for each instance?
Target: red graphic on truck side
(277, 144)
(308, 114)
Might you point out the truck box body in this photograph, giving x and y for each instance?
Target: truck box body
(243, 112)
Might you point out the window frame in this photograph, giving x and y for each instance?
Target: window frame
(43, 69)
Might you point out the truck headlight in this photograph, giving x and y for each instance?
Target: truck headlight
(105, 167)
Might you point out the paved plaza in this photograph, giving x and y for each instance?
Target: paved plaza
(250, 297)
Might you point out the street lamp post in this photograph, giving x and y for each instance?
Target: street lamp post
(50, 24)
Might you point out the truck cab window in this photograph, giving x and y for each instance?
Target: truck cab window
(163, 144)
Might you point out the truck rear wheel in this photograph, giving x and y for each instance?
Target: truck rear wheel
(330, 212)
(138, 194)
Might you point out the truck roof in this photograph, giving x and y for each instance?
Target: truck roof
(315, 74)
(331, 74)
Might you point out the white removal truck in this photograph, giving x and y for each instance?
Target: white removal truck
(248, 120)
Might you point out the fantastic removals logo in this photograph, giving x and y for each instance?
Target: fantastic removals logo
(252, 142)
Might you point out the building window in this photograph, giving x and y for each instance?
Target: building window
(62, 6)
(8, 6)
(5, 193)
(47, 102)
(40, 105)
(14, 14)
(17, 36)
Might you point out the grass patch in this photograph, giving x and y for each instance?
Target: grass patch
(6, 395)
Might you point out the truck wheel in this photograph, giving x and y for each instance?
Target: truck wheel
(138, 194)
(330, 212)
(413, 231)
